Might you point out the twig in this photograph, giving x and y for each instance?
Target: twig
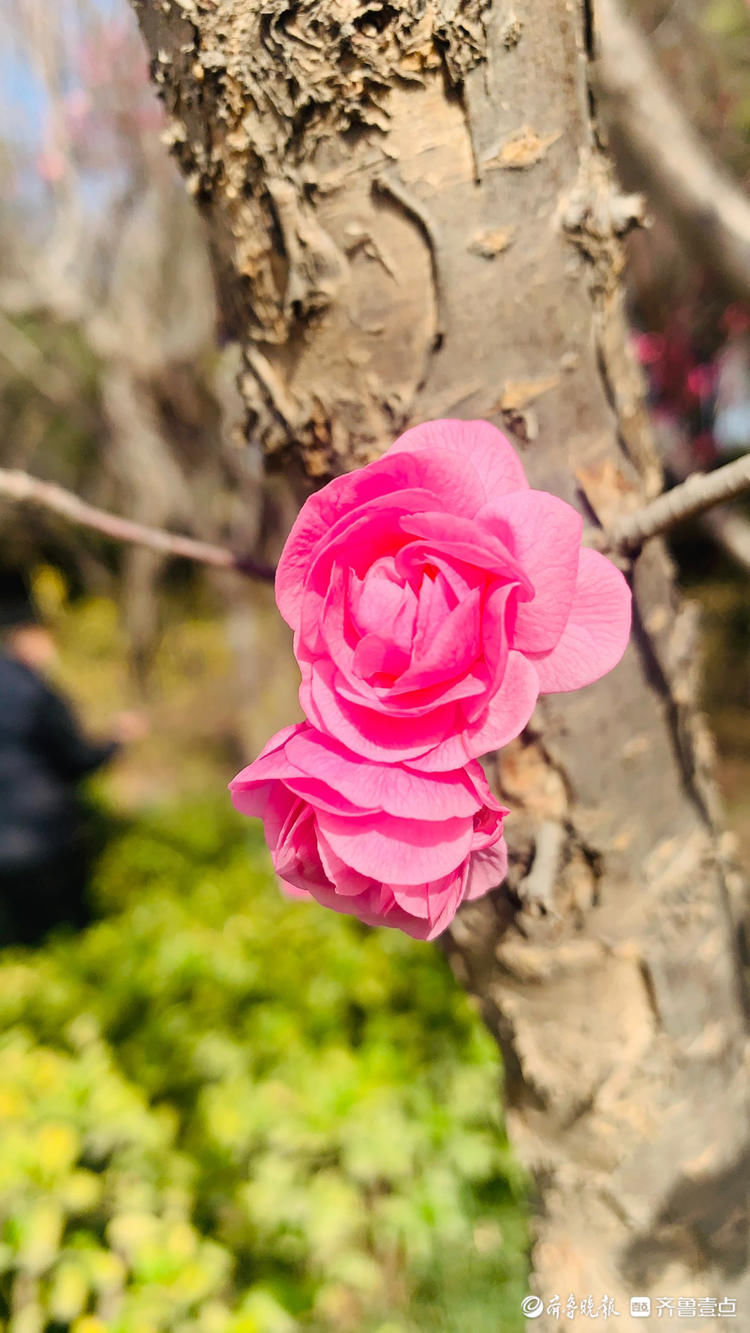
(708, 209)
(19, 486)
(732, 533)
(25, 358)
(729, 530)
(700, 492)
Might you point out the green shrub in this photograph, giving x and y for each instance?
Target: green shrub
(224, 1111)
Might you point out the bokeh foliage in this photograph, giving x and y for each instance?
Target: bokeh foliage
(223, 1111)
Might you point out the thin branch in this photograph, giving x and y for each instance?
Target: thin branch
(729, 530)
(699, 492)
(19, 486)
(679, 174)
(732, 533)
(24, 357)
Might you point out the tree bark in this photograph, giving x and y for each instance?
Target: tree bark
(412, 217)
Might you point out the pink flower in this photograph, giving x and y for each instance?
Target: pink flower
(701, 380)
(433, 596)
(649, 347)
(389, 845)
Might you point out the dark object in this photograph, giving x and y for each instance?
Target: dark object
(43, 858)
(34, 900)
(16, 604)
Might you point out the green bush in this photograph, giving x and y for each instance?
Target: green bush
(224, 1111)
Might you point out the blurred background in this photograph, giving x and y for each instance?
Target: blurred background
(222, 1112)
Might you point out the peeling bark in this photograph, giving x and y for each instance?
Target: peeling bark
(413, 217)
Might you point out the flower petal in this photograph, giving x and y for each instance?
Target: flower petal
(466, 463)
(375, 735)
(544, 535)
(445, 647)
(399, 851)
(346, 880)
(507, 714)
(463, 539)
(326, 517)
(436, 902)
(383, 787)
(291, 890)
(487, 870)
(597, 631)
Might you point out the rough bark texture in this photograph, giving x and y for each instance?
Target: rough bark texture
(412, 218)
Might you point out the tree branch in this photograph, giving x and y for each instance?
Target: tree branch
(24, 357)
(729, 530)
(19, 486)
(732, 533)
(698, 493)
(680, 176)
(692, 497)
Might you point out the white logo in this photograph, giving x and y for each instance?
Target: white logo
(640, 1307)
(532, 1306)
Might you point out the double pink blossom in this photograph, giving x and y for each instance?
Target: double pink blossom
(433, 596)
(389, 845)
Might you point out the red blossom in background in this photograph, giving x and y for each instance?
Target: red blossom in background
(701, 397)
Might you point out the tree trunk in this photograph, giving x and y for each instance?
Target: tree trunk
(412, 217)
